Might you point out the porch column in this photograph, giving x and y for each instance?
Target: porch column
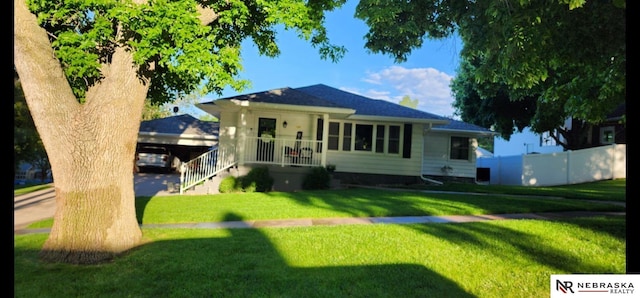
(325, 139)
(241, 135)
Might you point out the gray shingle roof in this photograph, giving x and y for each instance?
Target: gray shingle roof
(459, 125)
(180, 124)
(285, 96)
(364, 105)
(321, 95)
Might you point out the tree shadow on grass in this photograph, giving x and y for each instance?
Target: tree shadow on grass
(141, 205)
(227, 263)
(508, 240)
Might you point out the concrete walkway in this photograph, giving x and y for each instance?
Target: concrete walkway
(40, 205)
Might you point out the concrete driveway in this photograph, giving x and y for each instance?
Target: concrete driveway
(40, 205)
(156, 184)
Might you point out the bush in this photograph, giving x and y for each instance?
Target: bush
(317, 178)
(230, 184)
(257, 180)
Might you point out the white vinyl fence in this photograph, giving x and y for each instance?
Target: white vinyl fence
(560, 168)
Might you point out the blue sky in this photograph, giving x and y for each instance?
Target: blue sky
(425, 75)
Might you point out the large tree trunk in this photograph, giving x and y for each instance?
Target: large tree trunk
(90, 146)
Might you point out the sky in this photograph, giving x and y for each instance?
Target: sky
(425, 75)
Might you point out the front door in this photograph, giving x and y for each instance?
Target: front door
(266, 136)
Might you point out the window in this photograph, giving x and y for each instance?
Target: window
(607, 135)
(364, 137)
(377, 138)
(346, 139)
(459, 148)
(394, 139)
(334, 135)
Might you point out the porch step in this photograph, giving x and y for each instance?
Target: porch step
(211, 185)
(207, 187)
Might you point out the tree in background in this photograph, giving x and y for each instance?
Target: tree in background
(560, 58)
(27, 146)
(490, 105)
(87, 67)
(408, 102)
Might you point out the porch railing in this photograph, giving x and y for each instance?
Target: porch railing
(205, 166)
(284, 152)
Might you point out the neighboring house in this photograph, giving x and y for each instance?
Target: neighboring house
(369, 141)
(29, 174)
(611, 131)
(185, 136)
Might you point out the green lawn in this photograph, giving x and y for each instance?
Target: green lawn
(507, 258)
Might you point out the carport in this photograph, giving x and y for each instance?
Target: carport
(184, 135)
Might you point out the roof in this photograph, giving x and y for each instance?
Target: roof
(364, 105)
(324, 96)
(179, 125)
(285, 96)
(457, 125)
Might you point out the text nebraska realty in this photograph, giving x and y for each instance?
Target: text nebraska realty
(610, 287)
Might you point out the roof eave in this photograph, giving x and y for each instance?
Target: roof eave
(237, 104)
(487, 133)
(183, 136)
(399, 119)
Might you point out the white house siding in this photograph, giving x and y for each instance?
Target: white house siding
(436, 156)
(374, 163)
(295, 122)
(227, 137)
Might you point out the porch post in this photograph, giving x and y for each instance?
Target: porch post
(241, 135)
(325, 139)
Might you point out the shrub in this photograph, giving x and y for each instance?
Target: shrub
(317, 178)
(229, 184)
(257, 180)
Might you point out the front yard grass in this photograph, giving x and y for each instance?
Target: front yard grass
(512, 258)
(504, 258)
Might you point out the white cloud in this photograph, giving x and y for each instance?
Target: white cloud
(428, 85)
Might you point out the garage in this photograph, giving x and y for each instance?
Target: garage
(185, 136)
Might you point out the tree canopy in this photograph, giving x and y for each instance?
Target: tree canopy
(568, 54)
(183, 46)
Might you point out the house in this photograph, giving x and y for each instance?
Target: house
(369, 141)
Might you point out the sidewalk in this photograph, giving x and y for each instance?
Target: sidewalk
(40, 205)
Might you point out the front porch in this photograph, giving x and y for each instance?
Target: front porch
(288, 161)
(282, 152)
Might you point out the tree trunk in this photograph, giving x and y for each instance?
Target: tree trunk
(90, 146)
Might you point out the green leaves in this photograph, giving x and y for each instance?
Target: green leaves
(569, 52)
(170, 44)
